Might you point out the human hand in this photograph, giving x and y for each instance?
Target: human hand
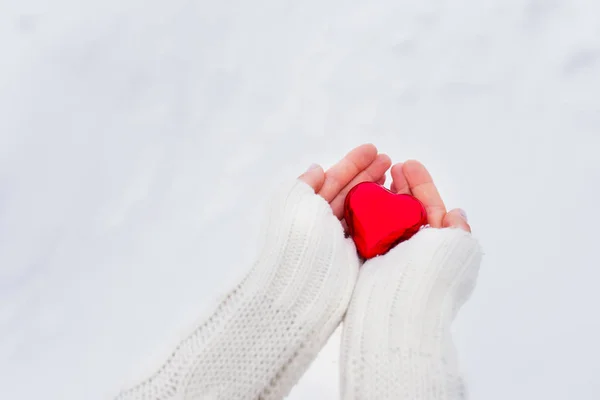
(266, 331)
(396, 342)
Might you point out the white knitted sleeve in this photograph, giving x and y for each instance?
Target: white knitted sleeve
(396, 341)
(264, 334)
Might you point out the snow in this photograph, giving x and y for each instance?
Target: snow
(138, 142)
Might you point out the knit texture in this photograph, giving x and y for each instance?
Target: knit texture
(267, 330)
(396, 342)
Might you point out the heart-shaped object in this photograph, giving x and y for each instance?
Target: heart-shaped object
(379, 219)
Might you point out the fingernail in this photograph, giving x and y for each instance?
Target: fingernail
(312, 166)
(463, 214)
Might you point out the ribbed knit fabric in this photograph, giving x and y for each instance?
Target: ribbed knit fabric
(264, 334)
(396, 342)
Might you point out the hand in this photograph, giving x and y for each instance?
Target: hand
(270, 326)
(413, 178)
(396, 341)
(362, 164)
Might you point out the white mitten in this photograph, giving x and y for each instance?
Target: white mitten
(396, 341)
(268, 329)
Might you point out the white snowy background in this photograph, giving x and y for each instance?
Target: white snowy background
(139, 140)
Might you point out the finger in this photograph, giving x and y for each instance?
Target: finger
(381, 181)
(399, 182)
(340, 175)
(372, 173)
(456, 218)
(422, 187)
(314, 176)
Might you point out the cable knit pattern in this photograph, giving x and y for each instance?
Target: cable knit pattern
(264, 334)
(397, 342)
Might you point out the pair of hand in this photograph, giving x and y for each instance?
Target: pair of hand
(307, 278)
(365, 164)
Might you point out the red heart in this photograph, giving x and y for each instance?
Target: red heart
(379, 219)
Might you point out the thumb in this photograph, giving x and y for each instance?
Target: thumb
(314, 177)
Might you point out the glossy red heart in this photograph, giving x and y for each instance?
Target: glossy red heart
(379, 219)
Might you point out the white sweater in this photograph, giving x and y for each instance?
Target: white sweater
(261, 338)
